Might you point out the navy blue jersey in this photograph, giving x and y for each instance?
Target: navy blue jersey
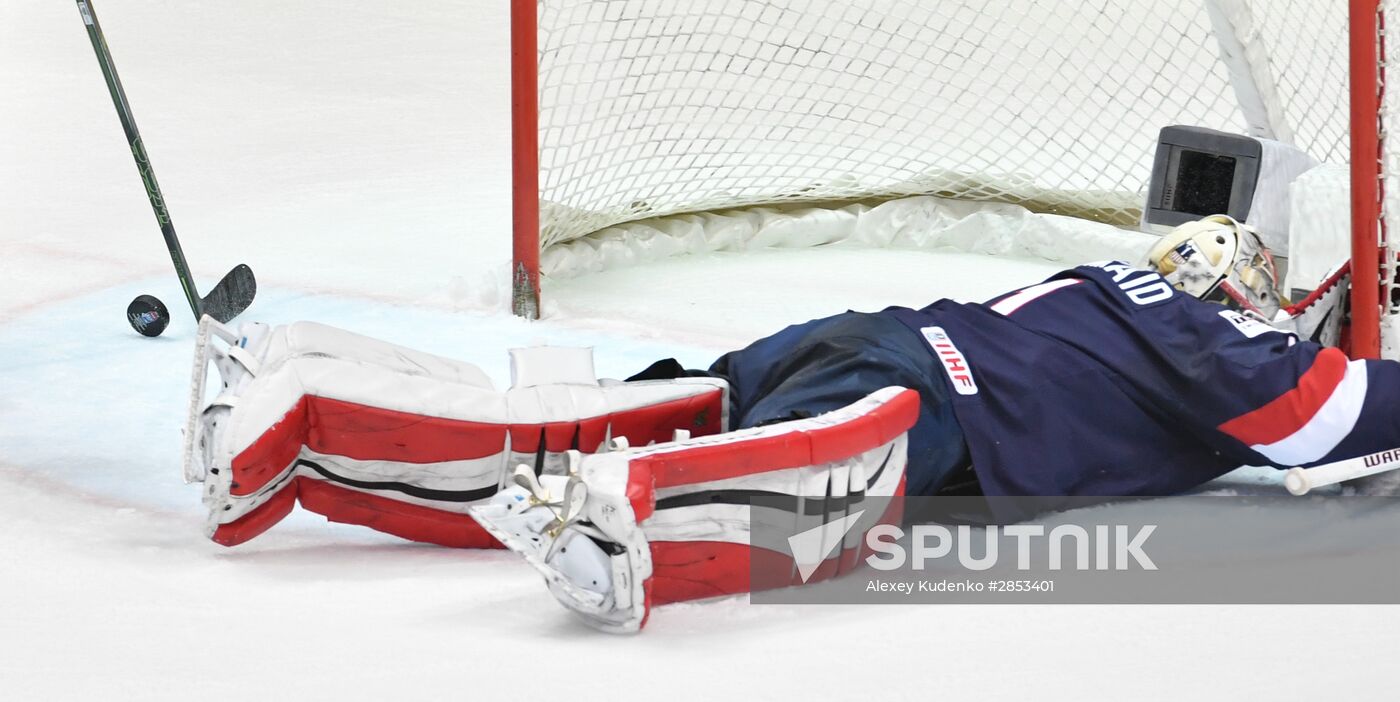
(1104, 380)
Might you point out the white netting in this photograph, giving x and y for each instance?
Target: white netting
(1390, 182)
(916, 222)
(655, 107)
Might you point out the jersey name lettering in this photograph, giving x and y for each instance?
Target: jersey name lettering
(1142, 287)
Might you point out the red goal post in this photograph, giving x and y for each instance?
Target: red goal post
(525, 159)
(1372, 261)
(633, 109)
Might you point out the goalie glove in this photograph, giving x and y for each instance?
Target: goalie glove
(367, 432)
(1319, 316)
(626, 530)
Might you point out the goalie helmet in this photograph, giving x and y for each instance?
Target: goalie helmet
(1218, 259)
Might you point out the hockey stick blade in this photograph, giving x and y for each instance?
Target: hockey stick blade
(231, 295)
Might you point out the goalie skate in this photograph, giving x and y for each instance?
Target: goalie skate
(594, 559)
(237, 362)
(630, 529)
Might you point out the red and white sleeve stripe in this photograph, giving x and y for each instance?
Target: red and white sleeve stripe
(1307, 422)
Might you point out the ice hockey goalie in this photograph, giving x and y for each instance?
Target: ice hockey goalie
(1105, 380)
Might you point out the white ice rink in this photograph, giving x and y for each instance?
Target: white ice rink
(356, 155)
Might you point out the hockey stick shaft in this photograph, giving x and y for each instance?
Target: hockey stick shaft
(138, 151)
(1300, 480)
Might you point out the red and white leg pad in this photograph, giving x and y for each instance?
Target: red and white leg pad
(367, 432)
(626, 530)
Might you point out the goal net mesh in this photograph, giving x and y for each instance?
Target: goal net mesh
(656, 107)
(1389, 15)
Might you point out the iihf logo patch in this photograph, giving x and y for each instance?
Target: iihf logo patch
(954, 363)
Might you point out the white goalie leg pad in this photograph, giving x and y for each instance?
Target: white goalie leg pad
(256, 349)
(371, 433)
(626, 530)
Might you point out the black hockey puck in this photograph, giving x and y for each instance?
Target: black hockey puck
(147, 315)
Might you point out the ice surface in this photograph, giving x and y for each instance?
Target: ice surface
(355, 154)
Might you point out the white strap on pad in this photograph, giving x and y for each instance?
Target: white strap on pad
(552, 365)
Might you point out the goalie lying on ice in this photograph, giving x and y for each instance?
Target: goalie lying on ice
(1105, 380)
